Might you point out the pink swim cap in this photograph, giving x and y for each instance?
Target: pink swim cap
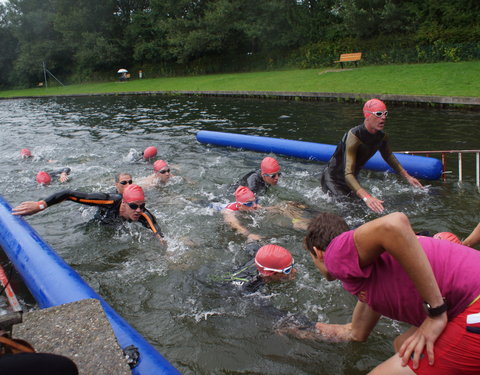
(272, 256)
(373, 105)
(150, 152)
(25, 153)
(243, 194)
(159, 164)
(269, 165)
(43, 178)
(133, 193)
(447, 236)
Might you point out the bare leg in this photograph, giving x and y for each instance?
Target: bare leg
(392, 366)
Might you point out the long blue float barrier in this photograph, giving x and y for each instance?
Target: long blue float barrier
(53, 282)
(418, 166)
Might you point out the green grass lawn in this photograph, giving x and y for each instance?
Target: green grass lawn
(443, 79)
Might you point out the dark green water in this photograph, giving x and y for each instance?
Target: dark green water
(166, 293)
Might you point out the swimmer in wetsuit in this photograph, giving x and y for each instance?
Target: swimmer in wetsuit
(44, 178)
(357, 146)
(260, 180)
(115, 207)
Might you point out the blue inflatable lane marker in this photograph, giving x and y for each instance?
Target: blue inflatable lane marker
(53, 282)
(418, 166)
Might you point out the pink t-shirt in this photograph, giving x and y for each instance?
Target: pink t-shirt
(388, 290)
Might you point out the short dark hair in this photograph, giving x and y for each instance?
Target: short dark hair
(117, 176)
(322, 230)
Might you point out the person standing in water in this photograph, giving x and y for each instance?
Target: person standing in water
(358, 145)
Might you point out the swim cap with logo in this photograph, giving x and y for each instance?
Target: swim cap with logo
(150, 152)
(243, 194)
(269, 165)
(43, 178)
(373, 105)
(272, 256)
(133, 193)
(447, 236)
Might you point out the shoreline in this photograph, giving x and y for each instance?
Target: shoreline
(417, 100)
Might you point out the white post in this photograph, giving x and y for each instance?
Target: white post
(477, 157)
(460, 167)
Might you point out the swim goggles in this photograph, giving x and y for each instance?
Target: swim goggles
(273, 175)
(163, 171)
(379, 113)
(126, 182)
(251, 203)
(134, 206)
(285, 271)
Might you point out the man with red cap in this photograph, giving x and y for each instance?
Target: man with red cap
(245, 201)
(160, 176)
(44, 178)
(357, 146)
(259, 180)
(114, 208)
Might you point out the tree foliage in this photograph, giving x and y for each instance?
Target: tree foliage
(85, 38)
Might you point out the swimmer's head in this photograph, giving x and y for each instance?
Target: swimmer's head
(269, 165)
(274, 259)
(43, 178)
(150, 152)
(244, 195)
(372, 106)
(25, 153)
(159, 165)
(162, 170)
(133, 193)
(448, 237)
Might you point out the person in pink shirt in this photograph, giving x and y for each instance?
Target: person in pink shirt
(429, 283)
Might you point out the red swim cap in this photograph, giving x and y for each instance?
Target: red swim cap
(43, 178)
(243, 194)
(133, 193)
(447, 236)
(272, 256)
(25, 153)
(269, 165)
(373, 105)
(159, 164)
(150, 152)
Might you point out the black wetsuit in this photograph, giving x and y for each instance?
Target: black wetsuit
(109, 207)
(254, 181)
(355, 149)
(59, 172)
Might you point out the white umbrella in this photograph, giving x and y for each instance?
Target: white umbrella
(122, 71)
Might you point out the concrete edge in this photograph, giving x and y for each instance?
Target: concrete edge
(427, 100)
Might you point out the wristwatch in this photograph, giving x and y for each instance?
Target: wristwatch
(435, 311)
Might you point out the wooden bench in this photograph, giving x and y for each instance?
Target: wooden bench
(345, 57)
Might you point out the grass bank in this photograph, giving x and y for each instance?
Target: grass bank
(442, 79)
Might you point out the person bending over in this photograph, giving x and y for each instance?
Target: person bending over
(114, 207)
(357, 146)
(433, 285)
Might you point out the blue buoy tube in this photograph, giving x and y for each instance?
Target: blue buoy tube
(418, 166)
(53, 282)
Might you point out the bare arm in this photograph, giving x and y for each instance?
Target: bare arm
(474, 238)
(232, 220)
(393, 234)
(364, 320)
